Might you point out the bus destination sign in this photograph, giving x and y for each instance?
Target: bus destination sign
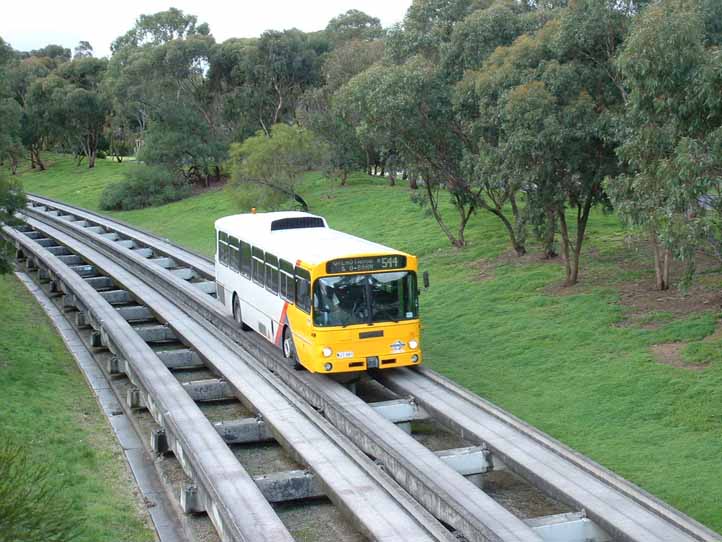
(368, 263)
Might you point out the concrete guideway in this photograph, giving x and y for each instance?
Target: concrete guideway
(623, 510)
(557, 483)
(233, 495)
(443, 491)
(349, 478)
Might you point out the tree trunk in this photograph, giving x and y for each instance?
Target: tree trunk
(413, 183)
(392, 179)
(433, 204)
(344, 176)
(91, 158)
(565, 247)
(35, 158)
(14, 165)
(662, 260)
(550, 234)
(518, 246)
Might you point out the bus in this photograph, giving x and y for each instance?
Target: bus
(332, 302)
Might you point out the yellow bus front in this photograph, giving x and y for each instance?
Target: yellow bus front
(364, 315)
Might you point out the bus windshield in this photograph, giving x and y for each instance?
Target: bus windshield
(365, 299)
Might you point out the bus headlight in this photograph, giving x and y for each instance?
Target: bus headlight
(328, 366)
(413, 344)
(327, 351)
(414, 358)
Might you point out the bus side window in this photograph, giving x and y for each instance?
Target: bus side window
(259, 266)
(223, 248)
(271, 273)
(245, 259)
(286, 276)
(233, 254)
(303, 289)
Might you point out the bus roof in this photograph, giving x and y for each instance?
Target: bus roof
(311, 245)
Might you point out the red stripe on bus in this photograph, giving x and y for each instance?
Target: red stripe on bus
(281, 322)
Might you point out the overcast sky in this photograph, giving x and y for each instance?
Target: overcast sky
(31, 24)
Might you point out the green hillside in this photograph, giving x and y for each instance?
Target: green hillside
(579, 363)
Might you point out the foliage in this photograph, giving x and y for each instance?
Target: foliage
(272, 166)
(354, 25)
(672, 122)
(32, 505)
(144, 186)
(12, 199)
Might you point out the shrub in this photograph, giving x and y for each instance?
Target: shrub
(101, 155)
(32, 505)
(144, 186)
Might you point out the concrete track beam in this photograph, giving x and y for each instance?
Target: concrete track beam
(571, 527)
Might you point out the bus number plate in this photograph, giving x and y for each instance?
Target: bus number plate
(344, 355)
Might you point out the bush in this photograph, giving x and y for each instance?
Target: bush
(144, 186)
(101, 155)
(32, 505)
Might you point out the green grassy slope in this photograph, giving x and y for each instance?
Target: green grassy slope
(565, 361)
(47, 408)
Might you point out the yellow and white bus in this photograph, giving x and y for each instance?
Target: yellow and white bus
(331, 301)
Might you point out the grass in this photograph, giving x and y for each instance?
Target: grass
(48, 410)
(562, 361)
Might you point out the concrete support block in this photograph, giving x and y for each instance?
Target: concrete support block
(143, 252)
(571, 527)
(134, 398)
(159, 441)
(31, 264)
(207, 286)
(400, 410)
(81, 223)
(116, 297)
(110, 236)
(135, 313)
(43, 275)
(213, 389)
(163, 262)
(127, 243)
(289, 486)
(243, 431)
(114, 365)
(467, 461)
(186, 273)
(58, 251)
(35, 235)
(180, 359)
(192, 500)
(85, 270)
(96, 339)
(96, 229)
(46, 242)
(72, 259)
(100, 283)
(155, 333)
(70, 301)
(81, 319)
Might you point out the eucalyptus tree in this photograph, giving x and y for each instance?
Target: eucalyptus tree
(673, 127)
(10, 111)
(354, 25)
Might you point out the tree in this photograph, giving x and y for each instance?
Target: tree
(12, 200)
(83, 50)
(86, 112)
(354, 25)
(160, 28)
(546, 103)
(270, 167)
(673, 127)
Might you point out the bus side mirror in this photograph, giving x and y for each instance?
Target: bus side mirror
(426, 279)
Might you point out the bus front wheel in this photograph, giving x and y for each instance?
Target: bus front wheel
(289, 349)
(237, 313)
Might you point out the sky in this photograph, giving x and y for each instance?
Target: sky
(32, 24)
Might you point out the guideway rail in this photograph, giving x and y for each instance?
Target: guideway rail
(237, 507)
(622, 509)
(351, 480)
(444, 492)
